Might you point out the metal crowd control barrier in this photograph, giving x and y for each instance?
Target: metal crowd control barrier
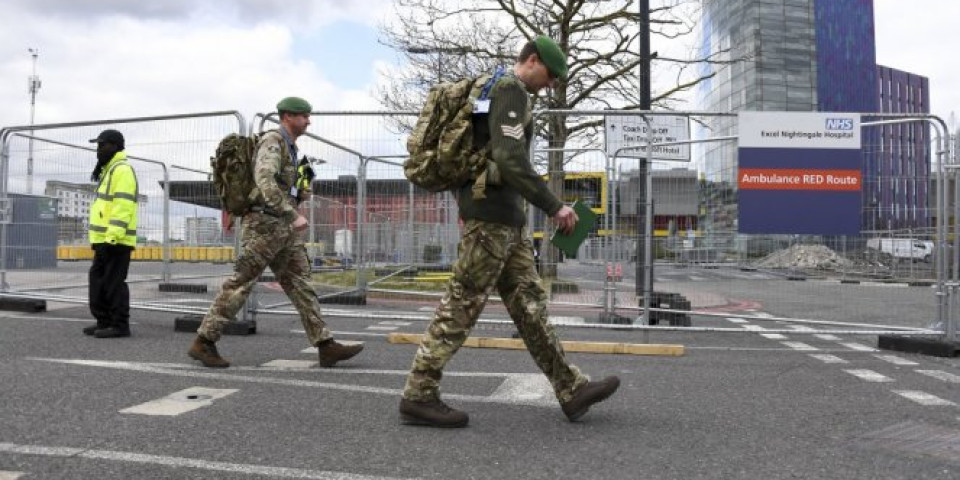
(52, 264)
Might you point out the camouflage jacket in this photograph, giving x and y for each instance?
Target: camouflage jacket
(275, 175)
(509, 129)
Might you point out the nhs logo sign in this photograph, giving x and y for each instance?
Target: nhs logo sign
(839, 124)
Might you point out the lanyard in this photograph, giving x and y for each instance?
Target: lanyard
(291, 147)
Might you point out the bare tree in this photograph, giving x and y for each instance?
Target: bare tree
(444, 40)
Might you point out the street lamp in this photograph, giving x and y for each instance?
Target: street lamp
(34, 86)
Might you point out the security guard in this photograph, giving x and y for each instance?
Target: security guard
(113, 236)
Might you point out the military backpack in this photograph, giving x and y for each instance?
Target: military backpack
(232, 168)
(442, 153)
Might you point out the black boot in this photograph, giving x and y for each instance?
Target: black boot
(111, 332)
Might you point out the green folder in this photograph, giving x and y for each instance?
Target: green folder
(569, 244)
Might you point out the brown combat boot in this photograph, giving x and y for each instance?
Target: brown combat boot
(432, 414)
(332, 352)
(589, 394)
(206, 352)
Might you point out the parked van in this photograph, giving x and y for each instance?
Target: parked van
(903, 248)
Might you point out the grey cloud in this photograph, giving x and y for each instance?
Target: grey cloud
(247, 11)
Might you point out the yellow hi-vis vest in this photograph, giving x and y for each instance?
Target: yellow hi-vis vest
(113, 215)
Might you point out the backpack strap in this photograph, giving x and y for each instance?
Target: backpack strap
(480, 184)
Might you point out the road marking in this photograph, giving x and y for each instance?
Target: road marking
(827, 336)
(381, 328)
(55, 319)
(184, 462)
(341, 332)
(941, 375)
(801, 328)
(180, 402)
(924, 398)
(800, 346)
(292, 364)
(773, 336)
(426, 309)
(859, 347)
(896, 360)
(869, 376)
(396, 323)
(827, 358)
(753, 328)
(610, 348)
(7, 475)
(736, 320)
(192, 371)
(533, 388)
(694, 278)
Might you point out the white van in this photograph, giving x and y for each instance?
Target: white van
(903, 248)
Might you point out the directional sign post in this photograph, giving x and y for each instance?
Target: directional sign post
(632, 132)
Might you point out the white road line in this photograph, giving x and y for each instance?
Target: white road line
(859, 347)
(7, 475)
(190, 371)
(396, 323)
(869, 375)
(924, 398)
(941, 375)
(896, 360)
(533, 388)
(827, 336)
(695, 278)
(381, 328)
(183, 462)
(293, 364)
(827, 358)
(773, 336)
(753, 328)
(426, 309)
(800, 346)
(180, 402)
(55, 319)
(736, 320)
(763, 314)
(801, 328)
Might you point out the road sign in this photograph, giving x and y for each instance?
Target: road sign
(631, 131)
(799, 173)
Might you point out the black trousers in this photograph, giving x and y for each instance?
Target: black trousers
(109, 295)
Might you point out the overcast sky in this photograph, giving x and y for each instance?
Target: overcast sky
(120, 58)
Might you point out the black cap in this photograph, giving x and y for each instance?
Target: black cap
(109, 136)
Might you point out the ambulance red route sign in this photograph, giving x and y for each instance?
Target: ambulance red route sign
(799, 173)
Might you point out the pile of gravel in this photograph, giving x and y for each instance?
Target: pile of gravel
(804, 256)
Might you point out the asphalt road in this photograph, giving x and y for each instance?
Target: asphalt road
(737, 405)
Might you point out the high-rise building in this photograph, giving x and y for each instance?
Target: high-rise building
(815, 55)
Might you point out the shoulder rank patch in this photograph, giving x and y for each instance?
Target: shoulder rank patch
(515, 131)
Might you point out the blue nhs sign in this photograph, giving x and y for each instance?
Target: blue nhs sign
(839, 124)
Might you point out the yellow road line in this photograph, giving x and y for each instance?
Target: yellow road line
(569, 346)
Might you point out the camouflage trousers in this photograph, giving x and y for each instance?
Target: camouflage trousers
(491, 256)
(267, 241)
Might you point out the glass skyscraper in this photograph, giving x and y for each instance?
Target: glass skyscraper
(810, 55)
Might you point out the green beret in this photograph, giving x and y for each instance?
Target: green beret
(551, 56)
(294, 105)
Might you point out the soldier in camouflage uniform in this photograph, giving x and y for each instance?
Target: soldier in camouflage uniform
(273, 236)
(496, 252)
